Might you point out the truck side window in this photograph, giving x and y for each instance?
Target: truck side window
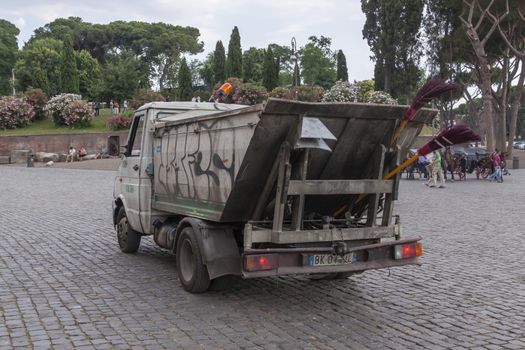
(135, 137)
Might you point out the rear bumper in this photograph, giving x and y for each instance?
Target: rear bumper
(293, 261)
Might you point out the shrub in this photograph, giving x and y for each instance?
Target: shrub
(15, 112)
(118, 122)
(57, 104)
(342, 91)
(38, 100)
(76, 114)
(380, 97)
(307, 93)
(280, 92)
(249, 94)
(145, 96)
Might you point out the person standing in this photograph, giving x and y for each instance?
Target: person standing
(437, 171)
(111, 107)
(496, 162)
(125, 105)
(97, 108)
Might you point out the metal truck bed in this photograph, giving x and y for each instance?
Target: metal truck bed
(222, 166)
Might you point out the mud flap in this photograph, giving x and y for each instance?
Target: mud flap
(219, 249)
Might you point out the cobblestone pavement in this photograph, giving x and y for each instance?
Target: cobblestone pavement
(65, 284)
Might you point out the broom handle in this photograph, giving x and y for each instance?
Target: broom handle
(386, 177)
(400, 128)
(402, 166)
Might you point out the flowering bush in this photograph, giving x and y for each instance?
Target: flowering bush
(342, 91)
(15, 112)
(76, 114)
(380, 97)
(118, 122)
(145, 96)
(38, 100)
(57, 104)
(249, 94)
(306, 93)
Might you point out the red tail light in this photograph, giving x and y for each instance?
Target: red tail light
(261, 262)
(408, 250)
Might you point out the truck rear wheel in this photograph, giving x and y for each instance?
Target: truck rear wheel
(193, 274)
(128, 238)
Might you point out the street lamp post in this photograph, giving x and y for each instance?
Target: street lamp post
(293, 57)
(13, 80)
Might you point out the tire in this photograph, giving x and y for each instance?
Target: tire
(128, 238)
(193, 274)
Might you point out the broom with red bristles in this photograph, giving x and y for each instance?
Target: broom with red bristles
(430, 90)
(448, 137)
(452, 136)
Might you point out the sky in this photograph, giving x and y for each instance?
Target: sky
(260, 22)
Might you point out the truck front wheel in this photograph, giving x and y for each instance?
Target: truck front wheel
(128, 239)
(193, 274)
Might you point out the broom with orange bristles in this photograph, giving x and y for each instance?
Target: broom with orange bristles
(430, 90)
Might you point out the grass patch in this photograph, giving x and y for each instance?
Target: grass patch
(46, 126)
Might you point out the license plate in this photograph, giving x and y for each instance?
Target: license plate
(330, 259)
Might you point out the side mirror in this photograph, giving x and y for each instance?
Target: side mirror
(124, 150)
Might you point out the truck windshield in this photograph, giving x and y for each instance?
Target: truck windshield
(135, 137)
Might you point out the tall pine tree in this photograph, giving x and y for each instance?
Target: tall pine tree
(269, 68)
(234, 60)
(342, 70)
(69, 72)
(184, 90)
(219, 58)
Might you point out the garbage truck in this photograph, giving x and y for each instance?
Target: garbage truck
(280, 188)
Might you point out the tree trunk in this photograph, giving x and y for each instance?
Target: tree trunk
(515, 109)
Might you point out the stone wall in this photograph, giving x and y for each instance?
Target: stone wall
(59, 143)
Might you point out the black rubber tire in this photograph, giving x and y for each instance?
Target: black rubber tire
(128, 238)
(192, 273)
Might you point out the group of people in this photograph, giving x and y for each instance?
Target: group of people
(74, 155)
(438, 164)
(114, 107)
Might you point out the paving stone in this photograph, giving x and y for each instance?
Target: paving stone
(65, 284)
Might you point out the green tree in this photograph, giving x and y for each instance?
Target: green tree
(122, 77)
(69, 72)
(269, 77)
(392, 31)
(234, 59)
(39, 66)
(184, 90)
(206, 71)
(88, 74)
(253, 61)
(219, 62)
(8, 53)
(318, 62)
(342, 70)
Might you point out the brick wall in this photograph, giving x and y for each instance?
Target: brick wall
(59, 143)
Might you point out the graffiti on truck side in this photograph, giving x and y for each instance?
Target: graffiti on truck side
(197, 161)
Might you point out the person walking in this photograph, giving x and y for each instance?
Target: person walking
(496, 162)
